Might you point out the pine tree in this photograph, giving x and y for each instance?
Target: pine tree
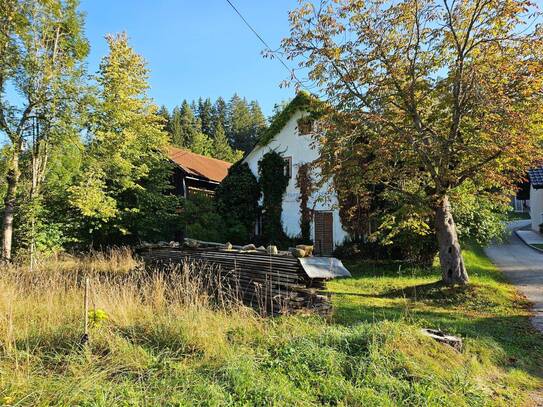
(194, 106)
(202, 144)
(187, 127)
(221, 148)
(205, 114)
(175, 128)
(167, 120)
(245, 123)
(240, 123)
(220, 114)
(258, 122)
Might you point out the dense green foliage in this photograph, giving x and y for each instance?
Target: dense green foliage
(273, 181)
(95, 172)
(202, 220)
(221, 149)
(305, 184)
(42, 52)
(480, 216)
(122, 186)
(237, 202)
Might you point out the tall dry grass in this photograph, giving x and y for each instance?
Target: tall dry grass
(178, 338)
(43, 309)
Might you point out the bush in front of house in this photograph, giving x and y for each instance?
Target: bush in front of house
(236, 200)
(274, 182)
(201, 220)
(416, 249)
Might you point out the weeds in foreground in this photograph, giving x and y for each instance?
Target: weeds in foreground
(168, 339)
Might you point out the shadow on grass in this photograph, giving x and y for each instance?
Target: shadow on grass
(435, 293)
(511, 336)
(159, 339)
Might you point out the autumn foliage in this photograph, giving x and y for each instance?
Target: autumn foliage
(425, 97)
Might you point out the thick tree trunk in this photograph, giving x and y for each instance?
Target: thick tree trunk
(9, 207)
(450, 254)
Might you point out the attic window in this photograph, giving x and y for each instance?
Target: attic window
(288, 167)
(305, 126)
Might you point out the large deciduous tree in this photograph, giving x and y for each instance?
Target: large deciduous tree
(42, 47)
(425, 97)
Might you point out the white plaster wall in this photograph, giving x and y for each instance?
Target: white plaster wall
(290, 144)
(536, 207)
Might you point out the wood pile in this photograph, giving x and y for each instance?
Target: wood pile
(272, 284)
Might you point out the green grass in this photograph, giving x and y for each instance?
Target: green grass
(517, 215)
(155, 352)
(537, 245)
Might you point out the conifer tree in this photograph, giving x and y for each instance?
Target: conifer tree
(205, 114)
(221, 148)
(165, 114)
(258, 122)
(175, 128)
(219, 114)
(240, 123)
(187, 126)
(202, 144)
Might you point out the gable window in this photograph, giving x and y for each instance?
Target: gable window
(288, 167)
(305, 126)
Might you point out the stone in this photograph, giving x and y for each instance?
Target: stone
(271, 249)
(306, 248)
(297, 252)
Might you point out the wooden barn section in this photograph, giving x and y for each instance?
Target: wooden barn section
(273, 284)
(195, 173)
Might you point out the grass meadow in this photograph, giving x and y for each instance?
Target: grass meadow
(168, 340)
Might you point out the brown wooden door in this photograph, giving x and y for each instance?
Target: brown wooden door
(324, 233)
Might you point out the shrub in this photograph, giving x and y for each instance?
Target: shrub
(273, 181)
(410, 247)
(236, 200)
(201, 219)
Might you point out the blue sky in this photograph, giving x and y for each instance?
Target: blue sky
(197, 48)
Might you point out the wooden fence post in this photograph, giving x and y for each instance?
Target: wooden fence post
(85, 338)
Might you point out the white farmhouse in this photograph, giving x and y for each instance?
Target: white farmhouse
(293, 140)
(536, 197)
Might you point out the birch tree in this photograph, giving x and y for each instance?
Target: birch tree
(41, 52)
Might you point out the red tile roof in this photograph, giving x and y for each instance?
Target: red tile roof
(198, 165)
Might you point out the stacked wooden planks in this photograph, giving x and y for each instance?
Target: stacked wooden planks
(272, 284)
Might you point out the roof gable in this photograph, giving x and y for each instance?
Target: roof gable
(198, 165)
(536, 177)
(302, 101)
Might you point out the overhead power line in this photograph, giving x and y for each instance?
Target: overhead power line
(291, 71)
